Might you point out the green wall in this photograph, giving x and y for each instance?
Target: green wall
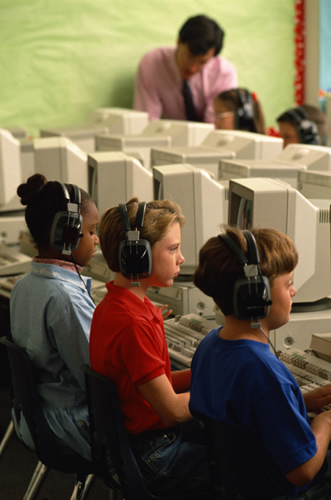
(62, 58)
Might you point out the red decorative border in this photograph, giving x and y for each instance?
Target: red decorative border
(299, 59)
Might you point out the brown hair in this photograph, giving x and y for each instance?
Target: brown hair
(233, 100)
(314, 114)
(219, 268)
(159, 215)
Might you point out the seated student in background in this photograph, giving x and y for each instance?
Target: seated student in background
(304, 124)
(238, 109)
(238, 380)
(51, 309)
(162, 73)
(128, 345)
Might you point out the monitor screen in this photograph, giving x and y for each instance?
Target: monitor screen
(203, 201)
(263, 202)
(115, 177)
(60, 159)
(10, 169)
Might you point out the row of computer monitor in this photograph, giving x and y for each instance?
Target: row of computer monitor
(114, 177)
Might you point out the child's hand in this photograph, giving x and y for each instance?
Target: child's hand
(317, 398)
(165, 311)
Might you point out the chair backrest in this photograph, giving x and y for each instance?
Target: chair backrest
(26, 400)
(109, 438)
(238, 466)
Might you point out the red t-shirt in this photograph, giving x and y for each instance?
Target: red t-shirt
(128, 345)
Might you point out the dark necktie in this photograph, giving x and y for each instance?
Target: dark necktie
(189, 104)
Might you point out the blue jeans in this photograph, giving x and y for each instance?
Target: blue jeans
(175, 461)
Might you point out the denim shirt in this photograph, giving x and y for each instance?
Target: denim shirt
(51, 314)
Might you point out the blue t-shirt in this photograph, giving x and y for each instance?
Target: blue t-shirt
(241, 382)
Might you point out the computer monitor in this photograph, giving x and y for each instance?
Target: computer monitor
(101, 121)
(238, 169)
(115, 177)
(203, 201)
(263, 202)
(219, 145)
(243, 144)
(181, 132)
(10, 168)
(315, 184)
(312, 157)
(137, 143)
(60, 159)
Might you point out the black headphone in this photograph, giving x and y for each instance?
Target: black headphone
(244, 115)
(135, 254)
(251, 295)
(307, 129)
(66, 229)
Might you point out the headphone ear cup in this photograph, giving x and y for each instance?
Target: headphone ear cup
(245, 111)
(251, 299)
(135, 254)
(307, 129)
(66, 231)
(135, 259)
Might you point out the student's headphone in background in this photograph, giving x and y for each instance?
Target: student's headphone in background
(135, 254)
(67, 225)
(251, 294)
(244, 116)
(307, 129)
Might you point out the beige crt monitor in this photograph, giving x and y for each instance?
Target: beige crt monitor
(247, 145)
(60, 159)
(180, 132)
(115, 177)
(237, 169)
(10, 168)
(218, 145)
(315, 184)
(310, 156)
(101, 121)
(203, 201)
(141, 144)
(264, 202)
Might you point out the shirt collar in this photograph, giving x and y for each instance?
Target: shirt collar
(70, 266)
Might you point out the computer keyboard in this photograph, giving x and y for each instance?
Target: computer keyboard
(183, 335)
(309, 371)
(12, 261)
(7, 284)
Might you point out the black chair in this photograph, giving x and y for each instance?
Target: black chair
(51, 453)
(110, 440)
(238, 466)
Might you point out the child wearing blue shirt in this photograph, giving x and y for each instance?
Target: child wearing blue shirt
(237, 380)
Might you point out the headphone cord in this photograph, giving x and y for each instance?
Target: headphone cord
(257, 324)
(81, 278)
